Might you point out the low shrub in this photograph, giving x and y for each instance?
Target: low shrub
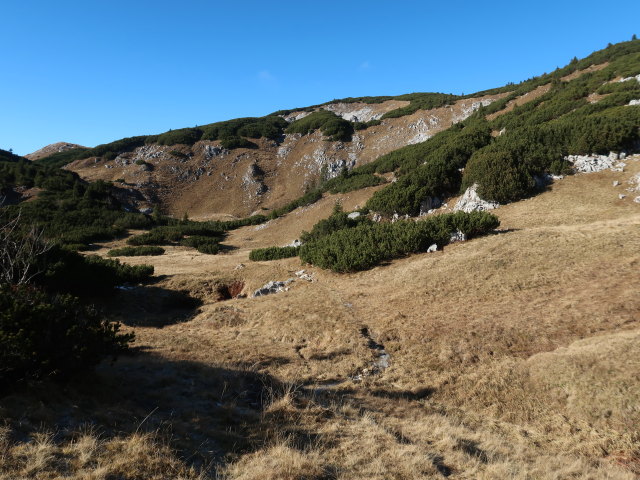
(183, 136)
(339, 220)
(366, 245)
(237, 142)
(44, 335)
(135, 251)
(273, 253)
(90, 275)
(348, 181)
(202, 244)
(331, 125)
(365, 125)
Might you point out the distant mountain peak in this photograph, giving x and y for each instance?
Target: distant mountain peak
(51, 149)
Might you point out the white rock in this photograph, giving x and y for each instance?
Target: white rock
(637, 199)
(621, 196)
(295, 243)
(634, 102)
(457, 236)
(354, 215)
(591, 163)
(432, 248)
(616, 183)
(273, 287)
(471, 202)
(637, 77)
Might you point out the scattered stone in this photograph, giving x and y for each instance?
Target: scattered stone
(302, 275)
(616, 183)
(471, 202)
(397, 217)
(458, 236)
(637, 199)
(595, 163)
(376, 217)
(382, 360)
(621, 196)
(295, 243)
(354, 215)
(432, 248)
(240, 266)
(627, 79)
(273, 287)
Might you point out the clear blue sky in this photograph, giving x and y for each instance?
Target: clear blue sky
(93, 71)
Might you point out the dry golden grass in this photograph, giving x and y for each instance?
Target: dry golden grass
(513, 356)
(88, 457)
(527, 97)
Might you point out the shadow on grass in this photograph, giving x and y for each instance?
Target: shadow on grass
(150, 306)
(209, 414)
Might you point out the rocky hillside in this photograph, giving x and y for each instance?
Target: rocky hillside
(51, 149)
(205, 178)
(254, 165)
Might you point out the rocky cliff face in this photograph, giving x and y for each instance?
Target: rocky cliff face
(206, 180)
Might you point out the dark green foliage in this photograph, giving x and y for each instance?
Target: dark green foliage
(421, 101)
(60, 159)
(348, 181)
(271, 126)
(504, 170)
(339, 220)
(432, 168)
(365, 125)
(45, 335)
(331, 125)
(203, 236)
(68, 271)
(157, 236)
(237, 142)
(6, 156)
(135, 251)
(366, 245)
(183, 136)
(308, 198)
(273, 253)
(107, 151)
(202, 244)
(69, 210)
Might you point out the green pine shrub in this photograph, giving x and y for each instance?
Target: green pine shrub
(273, 253)
(53, 336)
(135, 251)
(183, 136)
(202, 243)
(330, 124)
(367, 244)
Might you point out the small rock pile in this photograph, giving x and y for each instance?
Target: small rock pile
(471, 202)
(597, 163)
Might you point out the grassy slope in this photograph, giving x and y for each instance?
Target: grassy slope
(512, 356)
(503, 364)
